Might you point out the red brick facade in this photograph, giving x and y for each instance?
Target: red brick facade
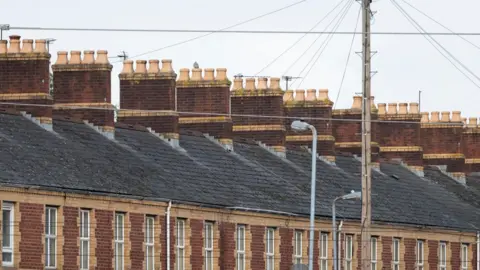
(471, 148)
(258, 247)
(410, 255)
(163, 241)
(31, 229)
(432, 254)
(456, 258)
(227, 246)
(196, 242)
(71, 232)
(387, 256)
(475, 258)
(147, 94)
(286, 248)
(137, 240)
(104, 235)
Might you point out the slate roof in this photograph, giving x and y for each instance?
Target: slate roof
(76, 158)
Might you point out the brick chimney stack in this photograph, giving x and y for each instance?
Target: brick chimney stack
(471, 145)
(441, 138)
(25, 77)
(347, 133)
(399, 138)
(205, 93)
(147, 97)
(261, 99)
(83, 88)
(308, 104)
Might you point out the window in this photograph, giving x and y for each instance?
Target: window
(149, 243)
(7, 234)
(208, 246)
(270, 252)
(180, 244)
(241, 247)
(396, 254)
(50, 237)
(119, 240)
(442, 261)
(348, 252)
(464, 257)
(298, 247)
(374, 253)
(84, 239)
(324, 251)
(419, 255)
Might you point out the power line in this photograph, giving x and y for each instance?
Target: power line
(298, 40)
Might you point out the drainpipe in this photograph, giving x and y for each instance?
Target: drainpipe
(478, 250)
(339, 246)
(168, 234)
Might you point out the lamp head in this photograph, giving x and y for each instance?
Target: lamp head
(299, 125)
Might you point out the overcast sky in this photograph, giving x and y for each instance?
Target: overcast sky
(405, 64)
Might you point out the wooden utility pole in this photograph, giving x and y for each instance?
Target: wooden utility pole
(366, 139)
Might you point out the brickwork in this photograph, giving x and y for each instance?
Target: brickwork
(163, 242)
(227, 246)
(137, 239)
(471, 146)
(196, 244)
(286, 248)
(31, 229)
(432, 254)
(316, 250)
(387, 253)
(455, 255)
(359, 252)
(138, 94)
(474, 257)
(104, 235)
(71, 232)
(410, 256)
(258, 247)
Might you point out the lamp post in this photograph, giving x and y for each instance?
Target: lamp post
(299, 125)
(351, 196)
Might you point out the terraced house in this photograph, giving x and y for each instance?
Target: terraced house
(180, 178)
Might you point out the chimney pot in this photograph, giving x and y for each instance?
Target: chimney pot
(300, 95)
(392, 108)
(184, 74)
(323, 94)
(127, 67)
(167, 66)
(141, 66)
(196, 74)
(14, 44)
(40, 46)
(472, 122)
(209, 74)
(237, 84)
(311, 95)
(445, 117)
(372, 102)
(102, 57)
(75, 57)
(88, 57)
(382, 108)
(250, 84)
(464, 120)
(274, 83)
(435, 117)
(153, 66)
(402, 108)
(357, 102)
(425, 118)
(288, 96)
(456, 116)
(27, 46)
(3, 46)
(413, 108)
(262, 83)
(221, 74)
(62, 58)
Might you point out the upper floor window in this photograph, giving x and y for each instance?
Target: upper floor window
(464, 255)
(241, 247)
(208, 246)
(324, 251)
(119, 240)
(420, 255)
(84, 239)
(374, 253)
(298, 247)
(50, 237)
(396, 254)
(7, 234)
(180, 249)
(149, 243)
(348, 252)
(270, 249)
(442, 258)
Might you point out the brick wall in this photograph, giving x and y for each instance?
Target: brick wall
(227, 246)
(196, 244)
(387, 256)
(359, 252)
(316, 249)
(258, 247)
(82, 86)
(474, 257)
(104, 235)
(163, 241)
(455, 255)
(137, 239)
(147, 94)
(471, 148)
(31, 230)
(410, 256)
(432, 254)
(286, 248)
(71, 233)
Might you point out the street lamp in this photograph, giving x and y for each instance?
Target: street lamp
(298, 126)
(351, 196)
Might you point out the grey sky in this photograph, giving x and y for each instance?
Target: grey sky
(405, 64)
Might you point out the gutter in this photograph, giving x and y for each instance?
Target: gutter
(261, 210)
(168, 234)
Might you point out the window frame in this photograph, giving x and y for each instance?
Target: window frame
(119, 239)
(298, 247)
(6, 206)
(270, 249)
(442, 256)
(84, 238)
(323, 251)
(208, 245)
(50, 237)
(464, 256)
(240, 247)
(150, 242)
(348, 252)
(396, 254)
(420, 262)
(180, 247)
(373, 250)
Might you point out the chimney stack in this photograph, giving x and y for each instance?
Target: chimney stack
(399, 135)
(147, 97)
(209, 96)
(250, 100)
(25, 78)
(471, 145)
(310, 105)
(83, 89)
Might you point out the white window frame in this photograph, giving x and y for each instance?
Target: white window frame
(241, 247)
(180, 242)
(270, 249)
(8, 207)
(150, 243)
(298, 247)
(374, 248)
(51, 236)
(442, 256)
(119, 241)
(396, 254)
(464, 257)
(420, 254)
(208, 245)
(84, 238)
(324, 251)
(348, 252)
